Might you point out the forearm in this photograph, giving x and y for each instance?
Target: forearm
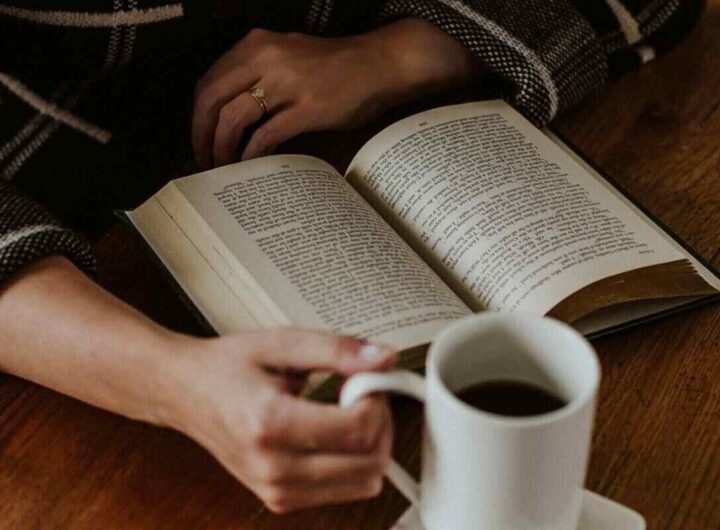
(62, 331)
(59, 329)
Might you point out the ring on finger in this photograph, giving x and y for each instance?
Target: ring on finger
(258, 95)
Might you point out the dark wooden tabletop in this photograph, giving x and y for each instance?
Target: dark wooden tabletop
(657, 441)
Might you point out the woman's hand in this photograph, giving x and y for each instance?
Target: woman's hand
(235, 396)
(314, 83)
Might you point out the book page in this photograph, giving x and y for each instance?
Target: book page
(199, 281)
(319, 251)
(508, 219)
(708, 276)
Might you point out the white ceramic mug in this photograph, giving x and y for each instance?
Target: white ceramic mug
(487, 471)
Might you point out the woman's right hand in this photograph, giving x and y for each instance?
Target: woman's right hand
(234, 395)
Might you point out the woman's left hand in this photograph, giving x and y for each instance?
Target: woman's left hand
(314, 83)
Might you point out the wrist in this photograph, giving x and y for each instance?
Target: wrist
(417, 59)
(168, 380)
(184, 382)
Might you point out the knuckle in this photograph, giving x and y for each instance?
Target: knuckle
(264, 428)
(365, 432)
(277, 501)
(206, 97)
(374, 487)
(374, 469)
(261, 435)
(271, 52)
(257, 34)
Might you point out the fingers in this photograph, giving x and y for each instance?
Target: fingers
(316, 469)
(290, 451)
(305, 426)
(234, 117)
(298, 349)
(286, 500)
(211, 95)
(289, 483)
(275, 131)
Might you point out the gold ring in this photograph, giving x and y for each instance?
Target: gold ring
(258, 95)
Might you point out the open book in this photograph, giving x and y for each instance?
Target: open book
(452, 211)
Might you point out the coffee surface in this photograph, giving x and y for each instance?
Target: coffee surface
(510, 398)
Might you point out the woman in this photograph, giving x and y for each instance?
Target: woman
(93, 108)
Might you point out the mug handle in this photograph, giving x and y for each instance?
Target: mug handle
(399, 381)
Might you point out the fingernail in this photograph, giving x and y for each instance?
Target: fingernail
(370, 352)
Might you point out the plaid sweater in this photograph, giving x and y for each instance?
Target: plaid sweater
(94, 94)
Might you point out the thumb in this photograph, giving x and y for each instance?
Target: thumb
(298, 349)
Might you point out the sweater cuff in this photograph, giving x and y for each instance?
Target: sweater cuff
(28, 233)
(545, 49)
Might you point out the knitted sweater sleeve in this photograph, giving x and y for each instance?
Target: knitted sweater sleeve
(28, 231)
(554, 53)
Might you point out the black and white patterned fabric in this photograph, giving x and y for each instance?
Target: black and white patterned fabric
(28, 232)
(554, 53)
(95, 94)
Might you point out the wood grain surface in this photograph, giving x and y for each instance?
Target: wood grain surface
(657, 441)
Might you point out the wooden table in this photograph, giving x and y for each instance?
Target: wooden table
(657, 441)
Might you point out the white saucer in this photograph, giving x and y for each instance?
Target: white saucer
(598, 513)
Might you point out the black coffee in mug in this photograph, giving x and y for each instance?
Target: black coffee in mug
(510, 398)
